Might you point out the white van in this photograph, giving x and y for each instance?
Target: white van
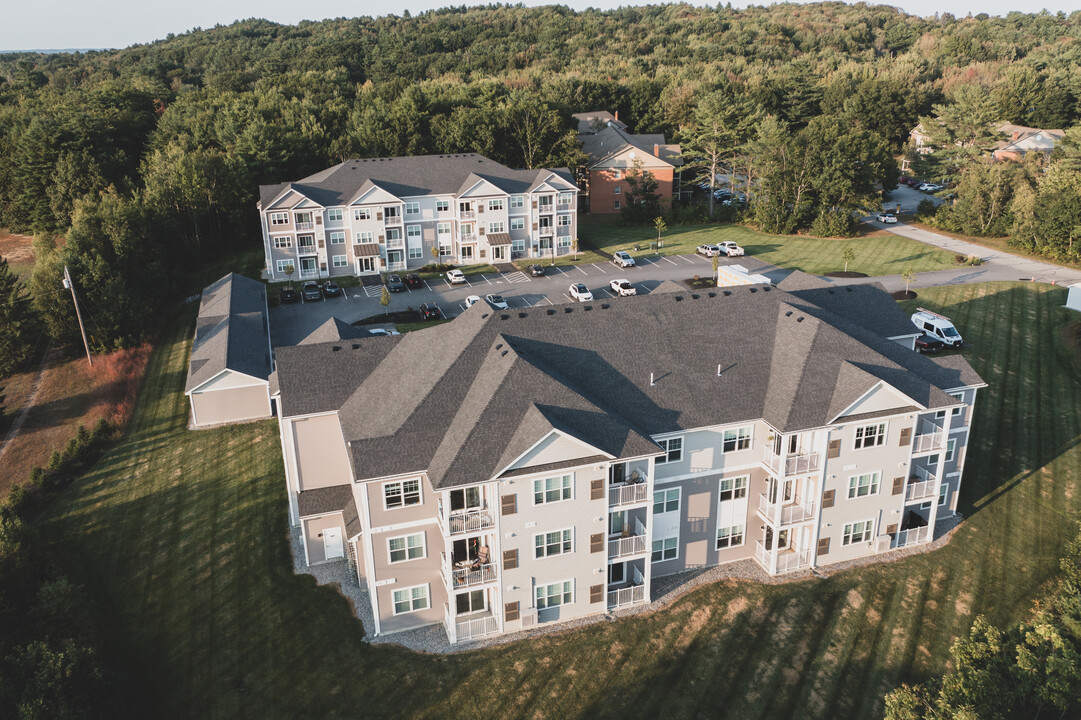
(938, 326)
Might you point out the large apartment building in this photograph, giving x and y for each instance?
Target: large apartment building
(511, 469)
(365, 216)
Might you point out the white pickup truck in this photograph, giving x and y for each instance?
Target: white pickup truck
(730, 248)
(622, 288)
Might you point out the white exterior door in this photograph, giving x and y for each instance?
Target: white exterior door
(332, 543)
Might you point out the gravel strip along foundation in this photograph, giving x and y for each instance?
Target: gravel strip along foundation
(667, 589)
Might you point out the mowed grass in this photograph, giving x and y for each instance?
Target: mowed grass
(183, 535)
(877, 254)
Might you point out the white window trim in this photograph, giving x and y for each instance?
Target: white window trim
(682, 447)
(412, 208)
(517, 201)
(679, 500)
(543, 491)
(743, 536)
(362, 214)
(877, 484)
(736, 430)
(496, 204)
(420, 493)
(495, 227)
(520, 221)
(337, 237)
(560, 583)
(442, 205)
(274, 215)
(951, 450)
(282, 264)
(339, 261)
(545, 544)
(330, 215)
(746, 488)
(870, 532)
(885, 434)
(423, 548)
(427, 597)
(661, 540)
(943, 492)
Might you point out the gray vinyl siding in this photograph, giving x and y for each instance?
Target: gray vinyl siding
(702, 451)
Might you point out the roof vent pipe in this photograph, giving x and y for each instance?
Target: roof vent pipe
(651, 383)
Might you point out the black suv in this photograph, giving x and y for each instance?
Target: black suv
(311, 292)
(331, 289)
(288, 294)
(395, 284)
(413, 280)
(430, 311)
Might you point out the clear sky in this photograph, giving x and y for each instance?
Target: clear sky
(37, 24)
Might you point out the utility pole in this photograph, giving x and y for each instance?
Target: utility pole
(69, 286)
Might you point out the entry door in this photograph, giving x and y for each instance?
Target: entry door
(332, 543)
(308, 267)
(365, 265)
(499, 252)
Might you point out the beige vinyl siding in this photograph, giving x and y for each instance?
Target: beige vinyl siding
(396, 576)
(428, 508)
(313, 535)
(237, 404)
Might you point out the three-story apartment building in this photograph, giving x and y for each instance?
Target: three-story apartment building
(516, 468)
(390, 214)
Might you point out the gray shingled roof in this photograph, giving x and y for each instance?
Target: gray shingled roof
(464, 399)
(334, 330)
(866, 304)
(612, 140)
(586, 120)
(231, 331)
(338, 498)
(409, 177)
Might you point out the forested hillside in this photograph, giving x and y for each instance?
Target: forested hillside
(148, 159)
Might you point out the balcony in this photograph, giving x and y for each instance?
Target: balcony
(630, 544)
(307, 250)
(305, 226)
(472, 627)
(468, 576)
(929, 441)
(795, 511)
(922, 489)
(911, 536)
(623, 597)
(787, 560)
(467, 521)
(628, 494)
(392, 219)
(467, 214)
(793, 464)
(395, 243)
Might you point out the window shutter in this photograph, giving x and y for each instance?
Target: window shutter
(906, 436)
(510, 504)
(834, 449)
(596, 593)
(510, 558)
(596, 543)
(318, 219)
(378, 214)
(596, 489)
(323, 267)
(898, 485)
(534, 203)
(827, 499)
(322, 243)
(535, 226)
(480, 207)
(891, 529)
(481, 229)
(823, 546)
(510, 612)
(380, 237)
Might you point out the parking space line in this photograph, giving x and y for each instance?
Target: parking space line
(426, 284)
(569, 298)
(600, 268)
(665, 257)
(688, 260)
(542, 301)
(486, 279)
(579, 268)
(608, 292)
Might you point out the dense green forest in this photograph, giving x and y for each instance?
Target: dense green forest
(147, 159)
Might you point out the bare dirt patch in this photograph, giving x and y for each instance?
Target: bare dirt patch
(16, 249)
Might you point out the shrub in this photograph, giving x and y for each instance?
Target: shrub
(833, 224)
(959, 259)
(925, 210)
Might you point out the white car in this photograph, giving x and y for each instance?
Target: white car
(455, 277)
(622, 288)
(381, 331)
(580, 292)
(708, 250)
(471, 301)
(888, 218)
(497, 302)
(730, 248)
(623, 259)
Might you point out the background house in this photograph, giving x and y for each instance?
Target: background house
(1023, 140)
(612, 151)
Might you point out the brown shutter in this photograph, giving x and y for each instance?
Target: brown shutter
(823, 546)
(898, 485)
(534, 203)
(834, 449)
(480, 230)
(906, 436)
(380, 237)
(510, 612)
(321, 243)
(891, 529)
(318, 219)
(480, 206)
(827, 499)
(596, 489)
(378, 214)
(323, 266)
(510, 559)
(596, 593)
(596, 543)
(535, 226)
(510, 504)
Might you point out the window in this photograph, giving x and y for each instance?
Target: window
(665, 501)
(442, 229)
(674, 448)
(409, 547)
(564, 241)
(617, 190)
(411, 599)
(306, 243)
(442, 205)
(565, 198)
(390, 211)
(362, 214)
(857, 532)
(334, 214)
(870, 436)
(734, 488)
(943, 493)
(412, 234)
(496, 227)
(339, 261)
(394, 233)
(564, 220)
(617, 174)
(444, 249)
(286, 266)
(553, 489)
(559, 542)
(402, 493)
(737, 439)
(729, 536)
(517, 201)
(365, 237)
(470, 602)
(416, 252)
(283, 242)
(951, 449)
(495, 204)
(545, 202)
(959, 397)
(517, 223)
(665, 549)
(467, 231)
(337, 238)
(279, 218)
(863, 485)
(617, 205)
(412, 208)
(556, 594)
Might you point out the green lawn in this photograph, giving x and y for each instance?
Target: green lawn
(881, 254)
(183, 536)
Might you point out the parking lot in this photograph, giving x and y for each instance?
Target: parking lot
(291, 323)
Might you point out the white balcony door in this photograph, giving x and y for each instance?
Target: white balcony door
(332, 543)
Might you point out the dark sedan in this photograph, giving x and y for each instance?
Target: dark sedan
(288, 294)
(311, 292)
(395, 284)
(331, 289)
(413, 280)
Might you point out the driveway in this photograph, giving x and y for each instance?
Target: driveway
(289, 324)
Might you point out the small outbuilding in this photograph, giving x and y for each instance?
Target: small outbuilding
(231, 359)
(1073, 299)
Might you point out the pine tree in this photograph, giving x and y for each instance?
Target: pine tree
(19, 324)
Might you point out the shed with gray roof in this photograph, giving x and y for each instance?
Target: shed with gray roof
(230, 366)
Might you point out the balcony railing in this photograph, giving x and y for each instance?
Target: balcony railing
(626, 596)
(787, 513)
(468, 576)
(787, 560)
(392, 219)
(467, 214)
(305, 226)
(395, 243)
(466, 521)
(468, 629)
(929, 441)
(629, 494)
(923, 489)
(632, 545)
(911, 537)
(793, 464)
(309, 273)
(307, 250)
